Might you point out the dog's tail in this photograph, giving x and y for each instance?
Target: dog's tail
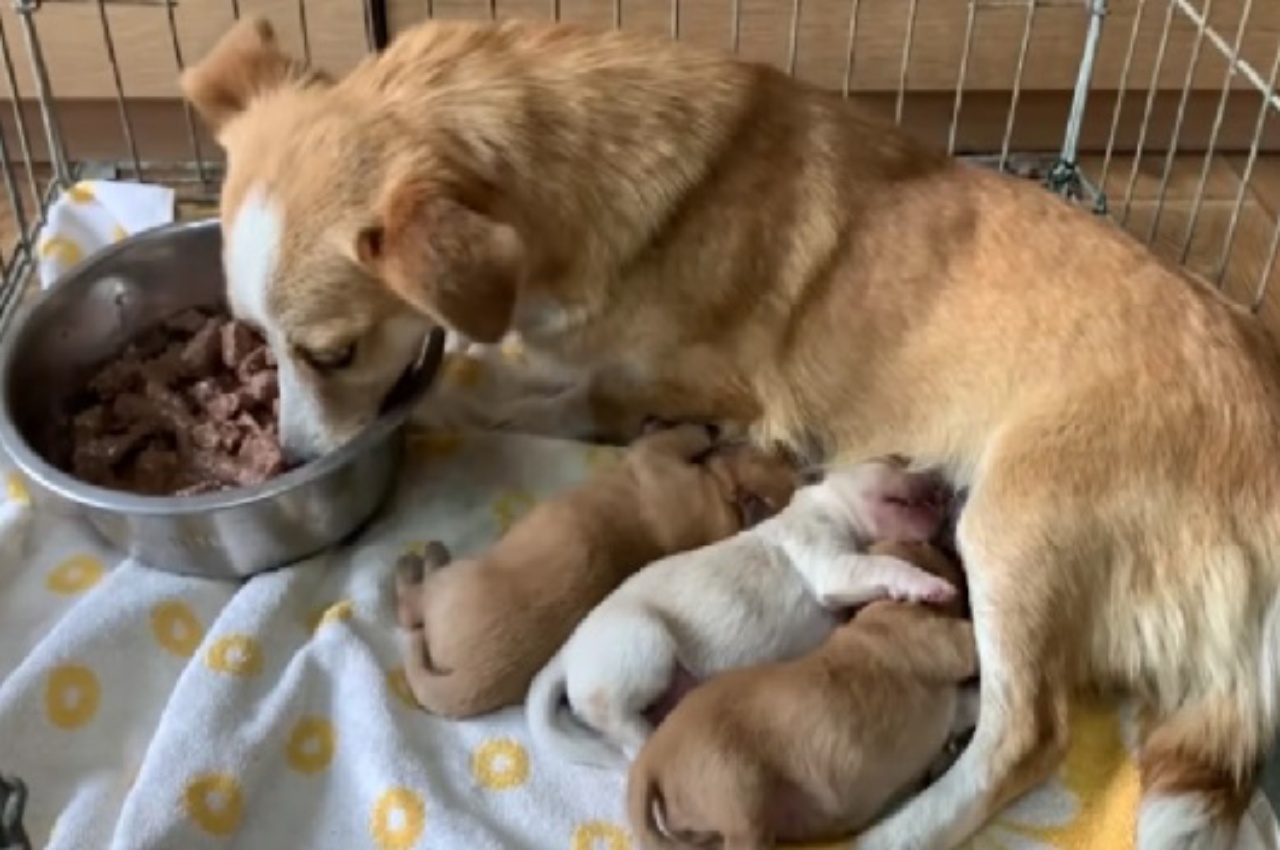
(1199, 765)
(644, 806)
(557, 729)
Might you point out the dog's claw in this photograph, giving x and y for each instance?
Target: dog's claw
(436, 555)
(411, 568)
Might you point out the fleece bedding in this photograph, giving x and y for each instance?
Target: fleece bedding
(146, 710)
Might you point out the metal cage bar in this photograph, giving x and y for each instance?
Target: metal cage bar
(1263, 85)
(1064, 175)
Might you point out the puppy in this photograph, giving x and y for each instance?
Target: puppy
(769, 593)
(480, 628)
(712, 240)
(813, 749)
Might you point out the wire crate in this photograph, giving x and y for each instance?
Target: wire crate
(1163, 92)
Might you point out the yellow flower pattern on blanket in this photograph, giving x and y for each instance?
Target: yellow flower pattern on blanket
(75, 575)
(235, 655)
(215, 803)
(15, 487)
(72, 694)
(333, 701)
(338, 612)
(1091, 803)
(500, 764)
(398, 684)
(176, 628)
(311, 745)
(509, 507)
(434, 445)
(398, 819)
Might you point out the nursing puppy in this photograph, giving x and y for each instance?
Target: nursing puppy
(815, 748)
(480, 628)
(772, 592)
(711, 240)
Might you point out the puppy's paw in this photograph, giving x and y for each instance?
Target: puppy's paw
(411, 570)
(929, 590)
(654, 424)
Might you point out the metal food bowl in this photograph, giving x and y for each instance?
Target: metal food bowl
(88, 317)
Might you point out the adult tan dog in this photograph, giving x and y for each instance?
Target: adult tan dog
(715, 240)
(811, 749)
(481, 628)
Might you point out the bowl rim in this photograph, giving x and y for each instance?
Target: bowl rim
(67, 486)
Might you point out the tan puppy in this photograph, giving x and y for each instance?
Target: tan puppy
(815, 748)
(713, 240)
(482, 627)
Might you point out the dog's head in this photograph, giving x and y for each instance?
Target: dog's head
(886, 501)
(758, 483)
(346, 238)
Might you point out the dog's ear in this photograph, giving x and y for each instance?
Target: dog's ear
(245, 63)
(445, 259)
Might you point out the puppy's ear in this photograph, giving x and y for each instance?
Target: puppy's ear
(446, 259)
(245, 63)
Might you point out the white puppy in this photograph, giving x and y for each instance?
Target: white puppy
(767, 594)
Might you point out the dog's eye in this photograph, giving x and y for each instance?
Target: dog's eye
(329, 360)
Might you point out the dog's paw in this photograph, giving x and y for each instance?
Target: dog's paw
(934, 591)
(411, 570)
(654, 424)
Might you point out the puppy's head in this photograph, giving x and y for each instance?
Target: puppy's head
(934, 560)
(889, 502)
(758, 483)
(347, 236)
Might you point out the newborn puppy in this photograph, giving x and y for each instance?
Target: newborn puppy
(481, 628)
(813, 749)
(768, 594)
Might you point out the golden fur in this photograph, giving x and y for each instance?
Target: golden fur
(715, 240)
(810, 749)
(481, 628)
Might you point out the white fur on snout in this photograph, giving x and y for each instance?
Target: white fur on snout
(302, 429)
(252, 256)
(251, 260)
(319, 413)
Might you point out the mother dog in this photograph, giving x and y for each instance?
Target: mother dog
(714, 240)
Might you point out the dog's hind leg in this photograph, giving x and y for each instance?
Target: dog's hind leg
(1022, 731)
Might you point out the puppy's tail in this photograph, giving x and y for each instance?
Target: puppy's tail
(1199, 765)
(644, 803)
(556, 728)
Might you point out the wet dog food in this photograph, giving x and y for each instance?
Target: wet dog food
(189, 407)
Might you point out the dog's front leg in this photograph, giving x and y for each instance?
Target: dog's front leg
(852, 580)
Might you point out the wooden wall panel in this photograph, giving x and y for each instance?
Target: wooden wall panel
(938, 37)
(80, 74)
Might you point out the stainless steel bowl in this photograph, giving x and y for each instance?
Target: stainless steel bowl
(52, 348)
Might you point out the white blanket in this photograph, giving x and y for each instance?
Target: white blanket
(146, 710)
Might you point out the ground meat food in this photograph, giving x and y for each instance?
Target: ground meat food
(188, 407)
